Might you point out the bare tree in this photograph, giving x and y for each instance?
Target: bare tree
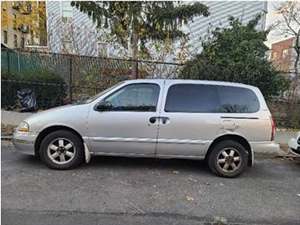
(289, 25)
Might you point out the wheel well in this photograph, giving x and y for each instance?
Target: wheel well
(232, 137)
(49, 130)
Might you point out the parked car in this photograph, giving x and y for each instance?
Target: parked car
(221, 122)
(294, 144)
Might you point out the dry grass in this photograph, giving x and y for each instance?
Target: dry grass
(7, 129)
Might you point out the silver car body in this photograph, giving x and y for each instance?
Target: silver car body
(183, 135)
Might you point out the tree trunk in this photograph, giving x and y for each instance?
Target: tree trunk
(134, 49)
(296, 69)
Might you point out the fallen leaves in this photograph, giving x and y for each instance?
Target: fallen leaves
(189, 198)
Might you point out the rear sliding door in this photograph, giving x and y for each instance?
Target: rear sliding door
(188, 119)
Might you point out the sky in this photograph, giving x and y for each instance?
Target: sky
(271, 18)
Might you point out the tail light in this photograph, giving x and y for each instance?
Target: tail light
(273, 129)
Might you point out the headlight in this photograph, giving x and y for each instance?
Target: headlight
(23, 127)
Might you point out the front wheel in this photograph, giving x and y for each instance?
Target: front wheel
(228, 159)
(62, 149)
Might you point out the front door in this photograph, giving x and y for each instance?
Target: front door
(126, 126)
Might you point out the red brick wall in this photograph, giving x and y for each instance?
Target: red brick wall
(277, 55)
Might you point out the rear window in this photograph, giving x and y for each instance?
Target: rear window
(201, 98)
(192, 98)
(237, 100)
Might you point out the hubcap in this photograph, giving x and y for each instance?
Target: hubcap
(229, 160)
(61, 151)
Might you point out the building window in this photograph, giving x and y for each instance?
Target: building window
(285, 53)
(15, 41)
(31, 37)
(28, 7)
(5, 36)
(22, 42)
(15, 21)
(275, 55)
(16, 5)
(67, 9)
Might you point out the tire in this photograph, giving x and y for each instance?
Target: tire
(62, 150)
(222, 154)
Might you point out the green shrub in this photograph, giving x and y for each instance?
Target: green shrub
(237, 54)
(49, 88)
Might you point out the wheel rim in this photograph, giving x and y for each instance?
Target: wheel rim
(61, 151)
(229, 160)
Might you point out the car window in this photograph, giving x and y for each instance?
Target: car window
(192, 98)
(135, 97)
(201, 98)
(93, 98)
(237, 100)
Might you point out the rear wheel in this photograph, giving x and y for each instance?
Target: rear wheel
(228, 159)
(62, 149)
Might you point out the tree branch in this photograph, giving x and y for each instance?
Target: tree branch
(288, 24)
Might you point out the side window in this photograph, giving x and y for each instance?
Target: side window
(135, 97)
(195, 98)
(237, 100)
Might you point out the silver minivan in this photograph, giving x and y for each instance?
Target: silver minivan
(221, 122)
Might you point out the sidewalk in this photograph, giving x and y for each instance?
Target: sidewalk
(13, 118)
(10, 119)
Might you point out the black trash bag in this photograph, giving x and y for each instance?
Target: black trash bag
(27, 100)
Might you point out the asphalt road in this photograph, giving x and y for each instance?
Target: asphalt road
(118, 190)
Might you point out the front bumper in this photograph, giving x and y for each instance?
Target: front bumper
(265, 147)
(24, 142)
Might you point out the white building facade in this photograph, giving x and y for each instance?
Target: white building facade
(70, 31)
(220, 11)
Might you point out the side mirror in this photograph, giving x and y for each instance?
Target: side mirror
(103, 106)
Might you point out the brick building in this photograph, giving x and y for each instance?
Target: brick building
(283, 58)
(283, 54)
(23, 23)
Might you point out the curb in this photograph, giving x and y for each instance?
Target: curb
(279, 153)
(6, 138)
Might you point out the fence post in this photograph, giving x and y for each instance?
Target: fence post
(8, 62)
(19, 66)
(71, 80)
(137, 70)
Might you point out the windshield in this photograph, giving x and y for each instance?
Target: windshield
(93, 98)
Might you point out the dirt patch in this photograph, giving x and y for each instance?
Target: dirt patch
(284, 148)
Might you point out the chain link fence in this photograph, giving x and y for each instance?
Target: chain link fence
(58, 79)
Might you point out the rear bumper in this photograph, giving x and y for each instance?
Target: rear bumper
(24, 142)
(265, 147)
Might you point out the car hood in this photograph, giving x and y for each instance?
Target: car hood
(68, 115)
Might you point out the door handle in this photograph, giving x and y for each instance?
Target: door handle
(152, 119)
(164, 119)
